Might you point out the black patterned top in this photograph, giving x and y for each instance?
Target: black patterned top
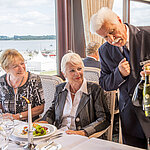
(32, 90)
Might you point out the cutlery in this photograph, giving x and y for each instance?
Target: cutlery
(47, 146)
(53, 137)
(21, 143)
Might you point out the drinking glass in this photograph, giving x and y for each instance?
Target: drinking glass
(3, 138)
(1, 118)
(8, 124)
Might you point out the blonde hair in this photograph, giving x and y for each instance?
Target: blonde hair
(71, 58)
(8, 57)
(103, 15)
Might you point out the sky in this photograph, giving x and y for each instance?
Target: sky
(37, 17)
(139, 12)
(27, 17)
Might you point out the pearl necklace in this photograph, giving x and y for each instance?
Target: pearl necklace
(19, 83)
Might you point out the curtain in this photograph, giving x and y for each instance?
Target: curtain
(69, 29)
(90, 7)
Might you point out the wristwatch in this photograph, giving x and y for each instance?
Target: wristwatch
(20, 116)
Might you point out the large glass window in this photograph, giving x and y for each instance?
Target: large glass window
(29, 27)
(118, 8)
(139, 13)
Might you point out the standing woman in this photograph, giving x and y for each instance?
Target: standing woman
(17, 82)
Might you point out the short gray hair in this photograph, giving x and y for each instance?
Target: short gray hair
(72, 58)
(98, 19)
(92, 48)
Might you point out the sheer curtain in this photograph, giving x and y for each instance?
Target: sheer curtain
(90, 7)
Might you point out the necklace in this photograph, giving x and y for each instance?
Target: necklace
(19, 83)
(72, 93)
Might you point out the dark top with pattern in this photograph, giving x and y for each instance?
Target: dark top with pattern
(32, 90)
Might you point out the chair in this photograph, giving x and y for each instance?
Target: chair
(92, 74)
(110, 99)
(49, 85)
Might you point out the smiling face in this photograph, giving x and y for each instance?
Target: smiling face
(17, 68)
(74, 73)
(114, 33)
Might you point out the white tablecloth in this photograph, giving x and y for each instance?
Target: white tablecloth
(77, 142)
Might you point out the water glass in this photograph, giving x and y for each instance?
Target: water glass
(3, 139)
(8, 124)
(1, 118)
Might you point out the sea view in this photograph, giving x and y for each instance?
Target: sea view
(40, 55)
(31, 45)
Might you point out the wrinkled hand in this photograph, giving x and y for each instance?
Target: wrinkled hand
(124, 67)
(81, 132)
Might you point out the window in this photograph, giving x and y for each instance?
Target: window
(118, 8)
(29, 27)
(139, 13)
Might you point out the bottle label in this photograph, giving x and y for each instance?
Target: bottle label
(146, 100)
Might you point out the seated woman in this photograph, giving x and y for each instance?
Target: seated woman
(78, 105)
(17, 82)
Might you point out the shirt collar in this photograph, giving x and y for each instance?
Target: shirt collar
(92, 57)
(83, 87)
(127, 43)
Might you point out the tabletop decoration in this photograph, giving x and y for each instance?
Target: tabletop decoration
(30, 145)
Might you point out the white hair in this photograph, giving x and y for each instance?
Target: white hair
(72, 58)
(103, 15)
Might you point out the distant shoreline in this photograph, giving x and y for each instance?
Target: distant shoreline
(28, 37)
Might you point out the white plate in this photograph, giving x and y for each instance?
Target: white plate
(18, 131)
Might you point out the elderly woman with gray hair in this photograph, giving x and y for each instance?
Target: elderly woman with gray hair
(78, 105)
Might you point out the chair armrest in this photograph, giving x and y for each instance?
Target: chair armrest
(98, 134)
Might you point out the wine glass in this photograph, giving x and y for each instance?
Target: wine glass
(1, 117)
(3, 135)
(8, 124)
(3, 139)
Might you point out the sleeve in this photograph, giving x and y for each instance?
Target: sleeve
(102, 113)
(110, 77)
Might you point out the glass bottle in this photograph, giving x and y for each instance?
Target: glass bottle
(146, 93)
(137, 98)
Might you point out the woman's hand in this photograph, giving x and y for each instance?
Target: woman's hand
(81, 132)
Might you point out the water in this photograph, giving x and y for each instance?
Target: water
(28, 45)
(37, 53)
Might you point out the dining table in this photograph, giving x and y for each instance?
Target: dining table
(68, 142)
